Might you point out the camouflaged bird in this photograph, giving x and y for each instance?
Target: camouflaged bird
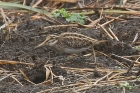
(70, 42)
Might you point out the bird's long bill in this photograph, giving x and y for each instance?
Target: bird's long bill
(42, 44)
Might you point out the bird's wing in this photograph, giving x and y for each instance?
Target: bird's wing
(81, 36)
(75, 42)
(74, 35)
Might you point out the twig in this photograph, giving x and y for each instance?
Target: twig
(102, 78)
(132, 62)
(115, 75)
(111, 21)
(97, 81)
(58, 22)
(116, 38)
(14, 62)
(105, 31)
(119, 63)
(131, 56)
(59, 26)
(126, 59)
(135, 38)
(68, 1)
(71, 85)
(47, 73)
(30, 81)
(5, 77)
(16, 80)
(82, 88)
(105, 3)
(91, 70)
(23, 74)
(37, 3)
(2, 44)
(115, 18)
(138, 72)
(92, 24)
(7, 22)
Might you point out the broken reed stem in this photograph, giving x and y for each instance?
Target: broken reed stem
(47, 73)
(71, 85)
(24, 75)
(110, 17)
(59, 26)
(5, 77)
(68, 1)
(126, 59)
(82, 86)
(94, 54)
(102, 78)
(114, 75)
(95, 83)
(14, 62)
(91, 70)
(112, 33)
(106, 31)
(17, 80)
(119, 63)
(111, 20)
(131, 56)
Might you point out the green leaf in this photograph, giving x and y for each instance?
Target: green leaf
(56, 15)
(70, 17)
(81, 22)
(127, 85)
(137, 48)
(8, 5)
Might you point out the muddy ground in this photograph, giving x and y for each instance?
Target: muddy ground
(18, 45)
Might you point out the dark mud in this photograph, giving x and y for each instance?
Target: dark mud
(18, 45)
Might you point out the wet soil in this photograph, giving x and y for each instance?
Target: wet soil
(18, 45)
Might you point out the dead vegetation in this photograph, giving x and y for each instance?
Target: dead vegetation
(25, 24)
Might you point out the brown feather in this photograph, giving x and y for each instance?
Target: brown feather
(70, 42)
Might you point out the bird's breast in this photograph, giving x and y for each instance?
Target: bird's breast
(73, 50)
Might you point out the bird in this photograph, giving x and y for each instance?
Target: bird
(71, 43)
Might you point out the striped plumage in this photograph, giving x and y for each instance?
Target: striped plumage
(70, 42)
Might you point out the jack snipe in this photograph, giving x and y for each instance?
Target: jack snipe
(71, 42)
